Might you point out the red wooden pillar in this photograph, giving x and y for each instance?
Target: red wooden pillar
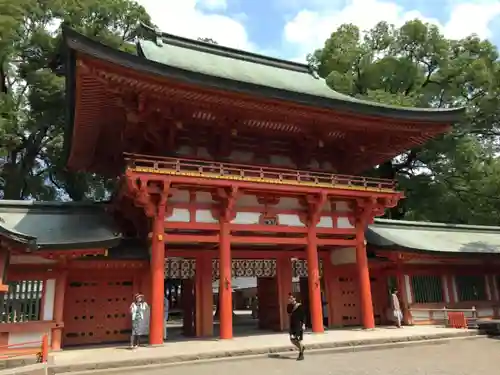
(315, 304)
(367, 317)
(204, 296)
(225, 275)
(157, 266)
(284, 276)
(60, 290)
(4, 264)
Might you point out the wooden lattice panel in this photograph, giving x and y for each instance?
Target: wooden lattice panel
(96, 311)
(180, 268)
(299, 267)
(248, 268)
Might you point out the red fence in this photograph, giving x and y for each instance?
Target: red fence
(231, 171)
(20, 350)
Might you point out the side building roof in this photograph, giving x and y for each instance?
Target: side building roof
(434, 237)
(57, 225)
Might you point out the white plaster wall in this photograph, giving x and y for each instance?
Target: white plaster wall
(205, 216)
(343, 222)
(408, 289)
(179, 215)
(325, 222)
(290, 220)
(246, 218)
(445, 287)
(24, 337)
(344, 255)
(48, 302)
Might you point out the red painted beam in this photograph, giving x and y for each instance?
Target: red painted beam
(268, 240)
(256, 228)
(335, 242)
(258, 187)
(190, 238)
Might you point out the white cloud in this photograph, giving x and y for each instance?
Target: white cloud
(309, 28)
(213, 4)
(185, 18)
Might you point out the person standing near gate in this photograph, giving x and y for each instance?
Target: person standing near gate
(165, 316)
(396, 308)
(138, 311)
(297, 324)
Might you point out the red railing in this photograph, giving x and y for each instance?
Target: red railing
(20, 350)
(242, 172)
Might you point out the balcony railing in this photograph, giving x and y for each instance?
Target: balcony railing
(242, 172)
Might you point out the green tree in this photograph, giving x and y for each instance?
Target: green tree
(32, 96)
(455, 177)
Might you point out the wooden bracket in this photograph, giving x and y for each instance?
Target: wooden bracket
(228, 202)
(315, 205)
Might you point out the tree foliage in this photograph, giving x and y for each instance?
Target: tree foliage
(32, 95)
(455, 178)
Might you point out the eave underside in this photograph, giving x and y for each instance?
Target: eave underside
(122, 108)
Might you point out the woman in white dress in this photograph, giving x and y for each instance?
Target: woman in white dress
(396, 308)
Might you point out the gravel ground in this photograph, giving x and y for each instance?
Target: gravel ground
(460, 357)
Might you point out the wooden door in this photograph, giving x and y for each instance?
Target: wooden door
(348, 304)
(96, 311)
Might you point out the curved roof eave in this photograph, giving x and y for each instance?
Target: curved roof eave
(335, 101)
(57, 225)
(445, 239)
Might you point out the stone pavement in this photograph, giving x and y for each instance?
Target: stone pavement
(195, 350)
(459, 357)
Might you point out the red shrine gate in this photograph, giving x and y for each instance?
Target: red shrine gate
(246, 160)
(152, 188)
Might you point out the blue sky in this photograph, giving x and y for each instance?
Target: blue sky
(292, 28)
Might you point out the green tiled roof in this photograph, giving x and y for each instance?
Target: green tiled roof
(434, 237)
(279, 76)
(57, 225)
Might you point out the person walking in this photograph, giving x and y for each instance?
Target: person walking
(138, 311)
(297, 324)
(396, 308)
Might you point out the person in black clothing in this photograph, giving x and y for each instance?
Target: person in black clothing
(297, 324)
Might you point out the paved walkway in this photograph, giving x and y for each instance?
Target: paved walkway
(460, 357)
(189, 350)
